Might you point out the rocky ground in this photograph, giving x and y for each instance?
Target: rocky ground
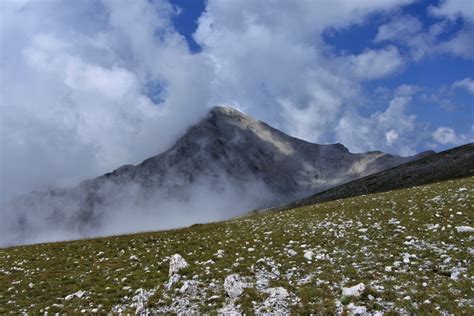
(401, 251)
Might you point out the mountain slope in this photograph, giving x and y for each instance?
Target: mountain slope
(228, 161)
(450, 164)
(410, 248)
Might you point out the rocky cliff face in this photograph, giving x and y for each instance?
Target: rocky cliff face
(228, 157)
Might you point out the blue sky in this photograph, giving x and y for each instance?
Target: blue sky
(111, 82)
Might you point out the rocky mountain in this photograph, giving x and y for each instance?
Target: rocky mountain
(228, 162)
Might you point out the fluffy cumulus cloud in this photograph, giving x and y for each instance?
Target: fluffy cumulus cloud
(103, 83)
(385, 130)
(447, 136)
(466, 83)
(374, 64)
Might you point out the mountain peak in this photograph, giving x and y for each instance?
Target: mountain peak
(232, 115)
(226, 110)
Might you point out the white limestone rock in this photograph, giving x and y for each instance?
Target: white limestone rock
(233, 285)
(355, 290)
(78, 294)
(308, 254)
(356, 310)
(277, 293)
(177, 263)
(465, 229)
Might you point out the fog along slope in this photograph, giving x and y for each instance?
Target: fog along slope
(225, 165)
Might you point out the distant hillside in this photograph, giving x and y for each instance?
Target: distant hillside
(401, 252)
(451, 164)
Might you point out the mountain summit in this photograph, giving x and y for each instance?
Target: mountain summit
(226, 164)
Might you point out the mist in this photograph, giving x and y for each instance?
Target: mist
(70, 214)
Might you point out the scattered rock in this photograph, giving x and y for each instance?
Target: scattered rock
(177, 263)
(355, 290)
(78, 294)
(233, 285)
(465, 229)
(292, 253)
(308, 254)
(356, 310)
(277, 293)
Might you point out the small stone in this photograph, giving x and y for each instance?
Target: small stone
(292, 253)
(78, 294)
(308, 254)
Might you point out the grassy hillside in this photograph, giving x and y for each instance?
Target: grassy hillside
(404, 246)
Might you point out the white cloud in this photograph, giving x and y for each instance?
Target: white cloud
(408, 31)
(374, 64)
(461, 43)
(466, 83)
(454, 9)
(406, 90)
(391, 136)
(404, 26)
(447, 136)
(393, 130)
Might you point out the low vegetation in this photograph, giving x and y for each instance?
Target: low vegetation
(411, 249)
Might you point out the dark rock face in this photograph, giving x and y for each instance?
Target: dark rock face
(225, 150)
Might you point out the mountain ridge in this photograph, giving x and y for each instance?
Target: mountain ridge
(451, 164)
